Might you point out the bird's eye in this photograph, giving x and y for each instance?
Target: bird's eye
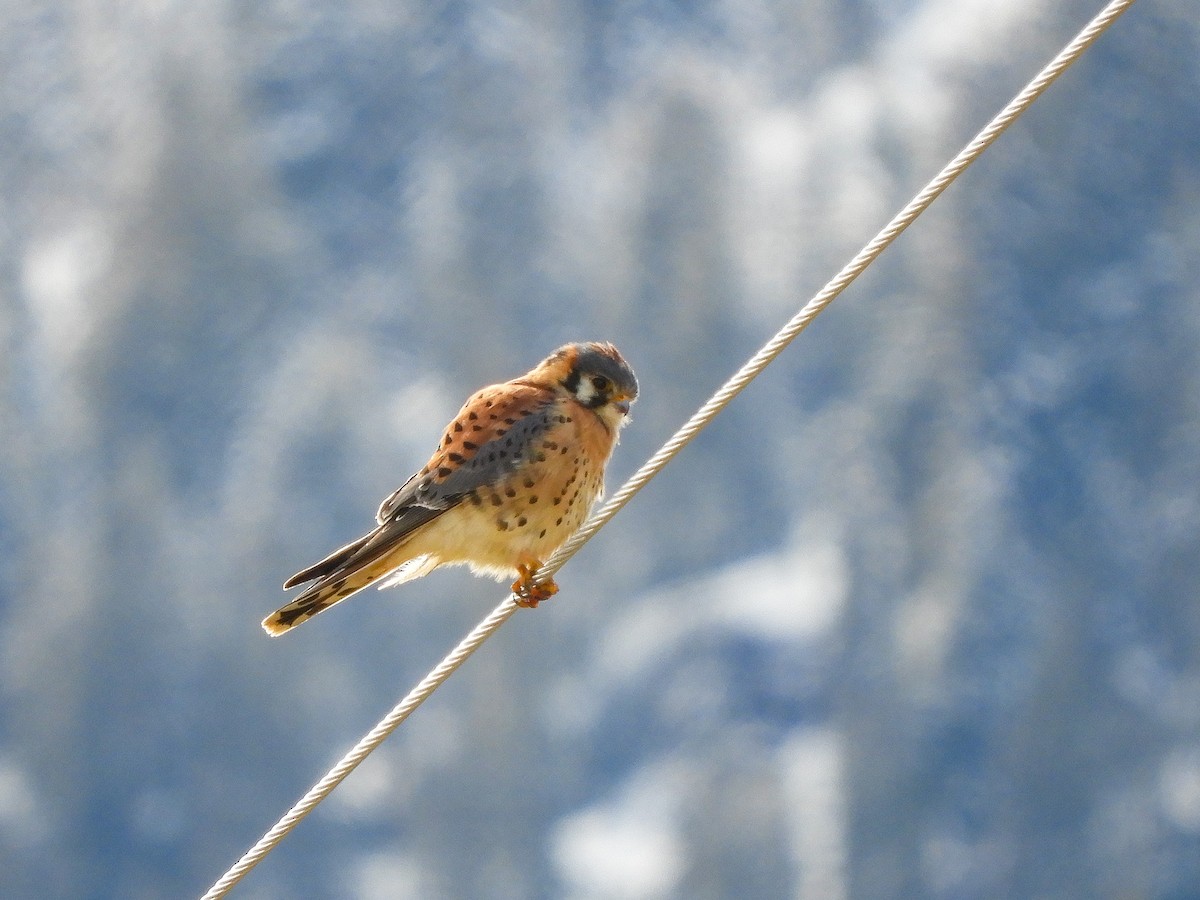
(601, 384)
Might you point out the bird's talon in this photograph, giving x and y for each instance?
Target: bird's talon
(528, 593)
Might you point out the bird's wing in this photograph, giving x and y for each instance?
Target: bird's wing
(491, 436)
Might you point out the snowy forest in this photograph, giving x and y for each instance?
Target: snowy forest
(918, 616)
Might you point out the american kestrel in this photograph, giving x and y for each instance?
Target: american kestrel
(516, 472)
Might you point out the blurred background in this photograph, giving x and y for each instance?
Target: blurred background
(917, 617)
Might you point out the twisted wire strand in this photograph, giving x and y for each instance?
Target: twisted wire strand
(363, 749)
(835, 286)
(678, 441)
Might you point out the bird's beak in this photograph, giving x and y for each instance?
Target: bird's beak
(621, 402)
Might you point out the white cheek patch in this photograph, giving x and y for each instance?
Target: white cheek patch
(586, 391)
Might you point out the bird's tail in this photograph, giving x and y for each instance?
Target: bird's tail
(344, 572)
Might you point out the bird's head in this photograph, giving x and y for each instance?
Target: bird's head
(596, 375)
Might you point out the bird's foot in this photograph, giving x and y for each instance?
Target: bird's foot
(527, 592)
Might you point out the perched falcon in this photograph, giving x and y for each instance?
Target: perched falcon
(516, 473)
